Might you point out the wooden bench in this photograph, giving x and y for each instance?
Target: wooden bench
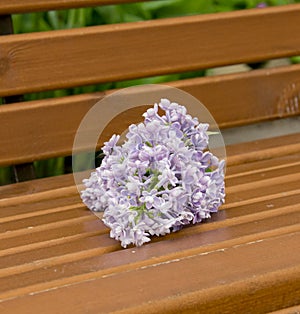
(57, 257)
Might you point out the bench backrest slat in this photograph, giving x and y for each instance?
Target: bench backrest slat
(46, 128)
(60, 59)
(76, 57)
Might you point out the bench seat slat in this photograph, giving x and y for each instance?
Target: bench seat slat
(89, 263)
(17, 242)
(266, 177)
(249, 191)
(73, 203)
(264, 149)
(68, 252)
(56, 255)
(262, 165)
(43, 220)
(43, 189)
(293, 309)
(48, 60)
(34, 207)
(264, 218)
(13, 239)
(256, 103)
(270, 221)
(56, 235)
(14, 191)
(87, 256)
(288, 173)
(219, 267)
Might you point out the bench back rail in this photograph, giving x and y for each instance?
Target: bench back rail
(42, 61)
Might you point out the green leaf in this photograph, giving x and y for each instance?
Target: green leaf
(53, 19)
(295, 59)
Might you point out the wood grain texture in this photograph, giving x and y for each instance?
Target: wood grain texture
(46, 128)
(25, 6)
(55, 249)
(61, 59)
(57, 257)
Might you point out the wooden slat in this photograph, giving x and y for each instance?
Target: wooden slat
(55, 252)
(24, 6)
(239, 229)
(58, 59)
(262, 165)
(283, 212)
(239, 223)
(43, 189)
(56, 248)
(37, 138)
(264, 149)
(71, 257)
(60, 274)
(206, 292)
(290, 310)
(250, 97)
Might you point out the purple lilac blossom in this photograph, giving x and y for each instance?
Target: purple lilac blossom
(262, 5)
(162, 178)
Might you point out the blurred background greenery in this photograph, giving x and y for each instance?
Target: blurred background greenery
(65, 19)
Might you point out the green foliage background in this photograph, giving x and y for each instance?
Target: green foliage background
(65, 19)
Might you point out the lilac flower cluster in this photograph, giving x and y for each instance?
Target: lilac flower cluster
(161, 178)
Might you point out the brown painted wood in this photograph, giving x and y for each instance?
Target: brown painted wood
(239, 229)
(250, 97)
(54, 251)
(223, 265)
(25, 171)
(266, 220)
(56, 248)
(24, 6)
(50, 60)
(36, 186)
(264, 149)
(290, 310)
(244, 98)
(15, 193)
(262, 165)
